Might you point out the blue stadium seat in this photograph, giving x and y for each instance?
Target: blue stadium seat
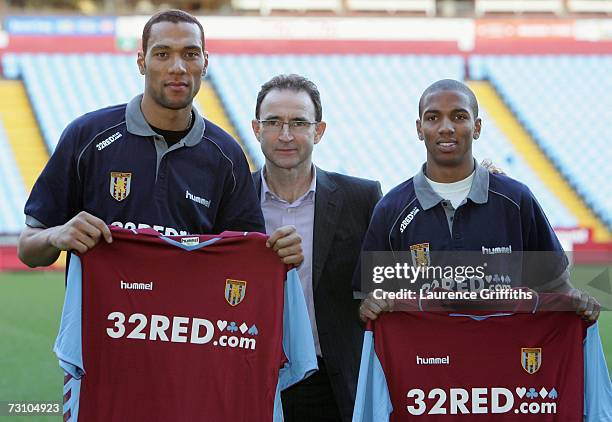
(11, 190)
(62, 87)
(563, 102)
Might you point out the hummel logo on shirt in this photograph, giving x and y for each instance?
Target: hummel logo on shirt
(497, 250)
(134, 285)
(203, 201)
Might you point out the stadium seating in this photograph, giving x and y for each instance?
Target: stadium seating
(493, 144)
(64, 86)
(518, 6)
(369, 102)
(563, 102)
(371, 112)
(267, 6)
(11, 186)
(589, 6)
(426, 6)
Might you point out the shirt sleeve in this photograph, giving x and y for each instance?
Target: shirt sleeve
(372, 403)
(544, 261)
(298, 343)
(67, 346)
(55, 196)
(240, 209)
(597, 387)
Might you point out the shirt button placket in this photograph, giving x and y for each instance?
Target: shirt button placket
(457, 233)
(161, 187)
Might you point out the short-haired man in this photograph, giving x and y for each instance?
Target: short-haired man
(452, 200)
(154, 162)
(331, 212)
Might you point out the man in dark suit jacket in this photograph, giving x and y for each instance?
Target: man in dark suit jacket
(331, 212)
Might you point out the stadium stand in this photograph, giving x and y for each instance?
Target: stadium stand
(371, 113)
(64, 86)
(391, 6)
(22, 133)
(371, 109)
(546, 94)
(266, 6)
(426, 6)
(12, 187)
(493, 144)
(589, 6)
(518, 6)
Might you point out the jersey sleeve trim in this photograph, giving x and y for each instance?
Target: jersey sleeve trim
(373, 402)
(34, 223)
(68, 346)
(298, 342)
(597, 386)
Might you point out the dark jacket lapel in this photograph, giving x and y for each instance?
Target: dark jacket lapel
(257, 182)
(328, 202)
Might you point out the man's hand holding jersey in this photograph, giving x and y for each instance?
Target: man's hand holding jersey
(42, 246)
(80, 234)
(586, 305)
(287, 243)
(371, 307)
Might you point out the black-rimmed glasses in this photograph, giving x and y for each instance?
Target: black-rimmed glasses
(275, 126)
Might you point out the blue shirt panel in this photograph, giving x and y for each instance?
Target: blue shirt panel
(298, 342)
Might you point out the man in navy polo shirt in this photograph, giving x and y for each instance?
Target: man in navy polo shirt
(153, 162)
(454, 204)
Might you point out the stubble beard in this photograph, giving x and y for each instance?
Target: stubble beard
(163, 101)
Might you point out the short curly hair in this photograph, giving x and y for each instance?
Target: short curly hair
(172, 15)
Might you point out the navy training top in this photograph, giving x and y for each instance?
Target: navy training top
(111, 164)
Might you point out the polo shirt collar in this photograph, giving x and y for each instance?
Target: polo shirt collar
(137, 124)
(428, 198)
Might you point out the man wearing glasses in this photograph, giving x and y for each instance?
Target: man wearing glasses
(331, 213)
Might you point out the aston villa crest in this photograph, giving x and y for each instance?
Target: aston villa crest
(531, 359)
(235, 290)
(420, 255)
(120, 185)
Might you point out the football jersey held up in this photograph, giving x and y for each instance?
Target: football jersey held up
(198, 328)
(434, 366)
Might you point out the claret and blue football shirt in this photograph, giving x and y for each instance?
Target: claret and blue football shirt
(185, 328)
(542, 366)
